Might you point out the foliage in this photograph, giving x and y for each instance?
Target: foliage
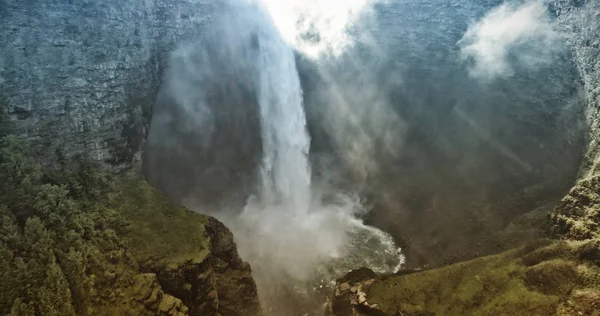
(73, 238)
(58, 233)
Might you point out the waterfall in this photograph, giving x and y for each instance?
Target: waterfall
(285, 169)
(286, 228)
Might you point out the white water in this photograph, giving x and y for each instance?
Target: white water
(286, 229)
(285, 169)
(289, 230)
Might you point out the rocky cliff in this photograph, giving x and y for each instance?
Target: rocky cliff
(577, 216)
(189, 257)
(447, 160)
(83, 75)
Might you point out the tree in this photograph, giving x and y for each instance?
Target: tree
(20, 308)
(54, 297)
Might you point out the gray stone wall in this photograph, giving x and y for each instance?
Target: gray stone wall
(83, 74)
(581, 21)
(577, 215)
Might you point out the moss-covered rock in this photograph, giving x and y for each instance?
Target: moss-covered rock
(193, 256)
(561, 278)
(578, 214)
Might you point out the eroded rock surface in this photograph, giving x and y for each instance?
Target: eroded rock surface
(83, 75)
(577, 216)
(148, 291)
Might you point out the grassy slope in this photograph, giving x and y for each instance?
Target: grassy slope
(158, 230)
(162, 230)
(562, 278)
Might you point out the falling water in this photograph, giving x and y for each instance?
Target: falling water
(289, 230)
(285, 170)
(286, 226)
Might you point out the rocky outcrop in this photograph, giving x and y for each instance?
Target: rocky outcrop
(148, 291)
(350, 297)
(577, 215)
(216, 283)
(83, 75)
(190, 257)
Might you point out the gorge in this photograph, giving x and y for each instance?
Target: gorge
(393, 135)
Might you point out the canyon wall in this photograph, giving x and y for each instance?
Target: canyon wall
(451, 164)
(84, 75)
(576, 216)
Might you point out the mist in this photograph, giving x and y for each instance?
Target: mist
(511, 35)
(298, 233)
(318, 28)
(299, 123)
(427, 131)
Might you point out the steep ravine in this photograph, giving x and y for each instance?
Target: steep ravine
(83, 76)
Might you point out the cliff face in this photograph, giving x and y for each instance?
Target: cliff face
(448, 160)
(577, 215)
(83, 75)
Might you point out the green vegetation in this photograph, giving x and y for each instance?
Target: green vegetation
(173, 235)
(74, 240)
(562, 278)
(57, 234)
